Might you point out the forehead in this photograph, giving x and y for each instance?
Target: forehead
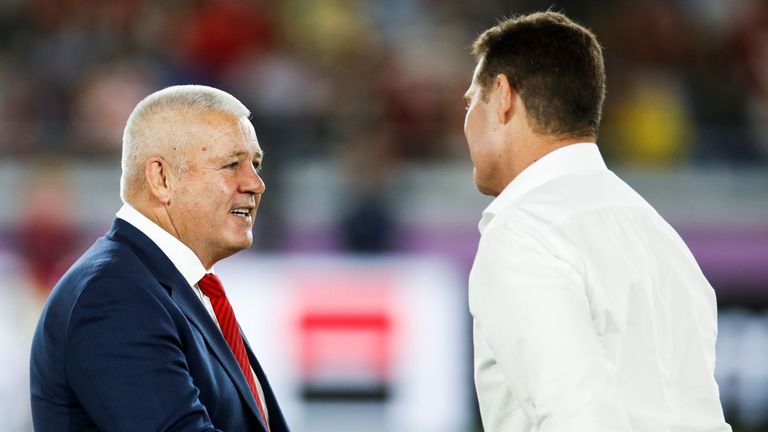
(226, 134)
(475, 75)
(478, 68)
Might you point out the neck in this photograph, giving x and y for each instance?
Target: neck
(157, 214)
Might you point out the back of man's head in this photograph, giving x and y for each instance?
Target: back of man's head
(163, 123)
(554, 64)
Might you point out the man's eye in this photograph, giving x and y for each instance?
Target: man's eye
(231, 165)
(257, 166)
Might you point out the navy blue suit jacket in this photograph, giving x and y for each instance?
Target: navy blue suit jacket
(124, 344)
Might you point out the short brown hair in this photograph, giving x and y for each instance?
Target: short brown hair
(554, 64)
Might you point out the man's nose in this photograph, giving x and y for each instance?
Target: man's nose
(252, 183)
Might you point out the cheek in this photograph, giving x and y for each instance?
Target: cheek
(469, 131)
(198, 200)
(469, 122)
(474, 129)
(216, 189)
(204, 199)
(466, 123)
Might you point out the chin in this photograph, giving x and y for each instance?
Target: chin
(235, 245)
(243, 244)
(487, 191)
(482, 186)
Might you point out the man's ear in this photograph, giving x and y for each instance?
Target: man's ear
(505, 96)
(157, 173)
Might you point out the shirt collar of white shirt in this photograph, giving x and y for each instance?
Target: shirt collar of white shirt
(181, 255)
(558, 163)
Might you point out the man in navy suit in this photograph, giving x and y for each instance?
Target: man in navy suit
(132, 338)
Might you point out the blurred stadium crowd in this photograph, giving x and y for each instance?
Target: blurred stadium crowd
(685, 76)
(373, 86)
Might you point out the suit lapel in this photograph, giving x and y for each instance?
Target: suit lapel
(168, 276)
(276, 420)
(190, 304)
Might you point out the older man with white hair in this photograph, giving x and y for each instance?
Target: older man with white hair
(139, 335)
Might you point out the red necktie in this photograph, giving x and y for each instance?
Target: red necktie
(212, 287)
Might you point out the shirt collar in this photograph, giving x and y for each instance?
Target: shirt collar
(565, 160)
(181, 255)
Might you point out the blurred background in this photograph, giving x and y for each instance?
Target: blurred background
(354, 294)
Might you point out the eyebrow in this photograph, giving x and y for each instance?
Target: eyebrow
(240, 153)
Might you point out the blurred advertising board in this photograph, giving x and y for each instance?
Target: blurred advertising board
(356, 343)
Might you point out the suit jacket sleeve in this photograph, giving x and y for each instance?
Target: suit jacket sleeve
(125, 361)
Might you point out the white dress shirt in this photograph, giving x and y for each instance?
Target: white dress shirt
(184, 259)
(589, 312)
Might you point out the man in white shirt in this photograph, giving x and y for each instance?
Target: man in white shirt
(138, 335)
(589, 312)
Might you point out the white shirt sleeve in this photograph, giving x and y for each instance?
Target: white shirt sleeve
(531, 308)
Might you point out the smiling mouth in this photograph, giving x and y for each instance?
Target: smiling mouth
(241, 212)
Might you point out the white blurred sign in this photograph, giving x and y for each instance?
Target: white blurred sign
(350, 343)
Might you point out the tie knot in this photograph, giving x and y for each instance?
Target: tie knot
(211, 286)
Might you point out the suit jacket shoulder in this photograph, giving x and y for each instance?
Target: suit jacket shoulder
(123, 344)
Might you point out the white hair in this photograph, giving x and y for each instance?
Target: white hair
(151, 128)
